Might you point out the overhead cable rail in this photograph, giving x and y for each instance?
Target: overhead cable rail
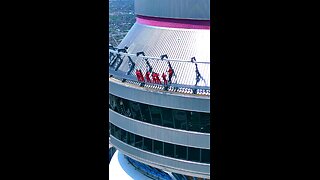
(157, 58)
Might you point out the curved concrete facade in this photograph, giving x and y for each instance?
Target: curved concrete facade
(161, 99)
(162, 162)
(164, 134)
(178, 9)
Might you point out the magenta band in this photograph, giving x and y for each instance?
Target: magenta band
(174, 23)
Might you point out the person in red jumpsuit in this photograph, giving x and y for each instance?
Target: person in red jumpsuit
(141, 75)
(170, 74)
(158, 79)
(148, 77)
(165, 82)
(138, 75)
(154, 80)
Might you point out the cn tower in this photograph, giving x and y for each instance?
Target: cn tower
(161, 129)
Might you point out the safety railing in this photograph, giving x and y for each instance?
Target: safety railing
(171, 87)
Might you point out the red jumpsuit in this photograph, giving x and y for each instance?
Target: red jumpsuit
(170, 74)
(165, 82)
(148, 76)
(154, 80)
(138, 75)
(141, 76)
(158, 79)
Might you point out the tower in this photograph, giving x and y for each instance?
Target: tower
(162, 130)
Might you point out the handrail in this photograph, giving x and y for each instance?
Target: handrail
(157, 58)
(193, 89)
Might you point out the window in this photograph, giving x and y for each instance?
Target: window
(123, 136)
(194, 154)
(205, 122)
(180, 119)
(135, 109)
(138, 141)
(167, 117)
(147, 144)
(130, 139)
(172, 118)
(194, 122)
(127, 109)
(112, 102)
(112, 129)
(158, 147)
(168, 150)
(205, 155)
(117, 132)
(180, 152)
(162, 148)
(145, 113)
(156, 115)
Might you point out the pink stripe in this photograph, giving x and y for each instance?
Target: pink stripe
(174, 23)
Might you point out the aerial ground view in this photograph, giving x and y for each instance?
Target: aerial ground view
(121, 19)
(159, 90)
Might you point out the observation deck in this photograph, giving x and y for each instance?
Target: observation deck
(182, 80)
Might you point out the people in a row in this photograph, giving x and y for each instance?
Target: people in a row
(154, 76)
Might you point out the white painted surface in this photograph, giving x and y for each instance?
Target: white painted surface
(120, 168)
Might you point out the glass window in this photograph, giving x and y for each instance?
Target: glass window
(194, 122)
(205, 122)
(121, 107)
(130, 139)
(135, 109)
(145, 113)
(180, 152)
(156, 115)
(123, 136)
(158, 147)
(147, 144)
(168, 149)
(112, 101)
(138, 141)
(112, 129)
(205, 155)
(167, 117)
(193, 154)
(180, 119)
(117, 104)
(117, 132)
(127, 109)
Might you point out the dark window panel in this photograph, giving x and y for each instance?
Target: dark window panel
(135, 110)
(147, 144)
(193, 154)
(167, 117)
(168, 149)
(158, 147)
(124, 136)
(112, 129)
(185, 120)
(117, 132)
(180, 152)
(127, 109)
(121, 107)
(138, 141)
(155, 115)
(205, 122)
(113, 103)
(180, 119)
(194, 122)
(145, 113)
(130, 139)
(205, 155)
